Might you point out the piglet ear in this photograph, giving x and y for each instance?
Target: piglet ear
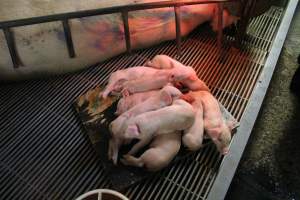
(193, 77)
(132, 131)
(166, 98)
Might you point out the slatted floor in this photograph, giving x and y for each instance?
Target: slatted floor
(45, 153)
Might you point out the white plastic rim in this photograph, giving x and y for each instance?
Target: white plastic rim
(100, 192)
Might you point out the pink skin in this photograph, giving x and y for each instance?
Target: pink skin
(125, 104)
(163, 62)
(161, 152)
(214, 124)
(187, 76)
(117, 78)
(194, 84)
(179, 116)
(145, 84)
(118, 126)
(193, 136)
(139, 79)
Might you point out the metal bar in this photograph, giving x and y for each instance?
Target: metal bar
(102, 11)
(10, 40)
(68, 37)
(126, 31)
(178, 29)
(220, 24)
(238, 144)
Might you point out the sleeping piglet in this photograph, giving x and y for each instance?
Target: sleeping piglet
(181, 73)
(161, 152)
(214, 124)
(117, 127)
(117, 78)
(126, 103)
(146, 83)
(163, 62)
(187, 76)
(179, 116)
(193, 136)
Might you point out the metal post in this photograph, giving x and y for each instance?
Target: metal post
(220, 25)
(178, 29)
(68, 37)
(126, 30)
(10, 40)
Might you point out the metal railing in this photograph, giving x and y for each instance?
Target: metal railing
(65, 17)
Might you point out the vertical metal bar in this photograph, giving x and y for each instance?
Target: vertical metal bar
(10, 40)
(178, 29)
(220, 25)
(68, 37)
(126, 29)
(247, 10)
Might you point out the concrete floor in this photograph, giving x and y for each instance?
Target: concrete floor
(270, 166)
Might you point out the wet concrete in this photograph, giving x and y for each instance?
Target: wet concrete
(270, 166)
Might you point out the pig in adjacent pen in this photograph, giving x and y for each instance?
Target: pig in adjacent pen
(95, 38)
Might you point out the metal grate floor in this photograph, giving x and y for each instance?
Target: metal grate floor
(45, 153)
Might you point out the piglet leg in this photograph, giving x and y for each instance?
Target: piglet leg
(132, 161)
(113, 151)
(143, 142)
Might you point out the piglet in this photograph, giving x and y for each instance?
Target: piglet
(181, 73)
(187, 76)
(117, 127)
(146, 83)
(179, 116)
(214, 124)
(126, 103)
(163, 62)
(161, 152)
(193, 136)
(117, 78)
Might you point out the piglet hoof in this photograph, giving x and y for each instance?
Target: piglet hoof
(225, 151)
(115, 159)
(125, 159)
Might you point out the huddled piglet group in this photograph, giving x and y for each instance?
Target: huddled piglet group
(154, 111)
